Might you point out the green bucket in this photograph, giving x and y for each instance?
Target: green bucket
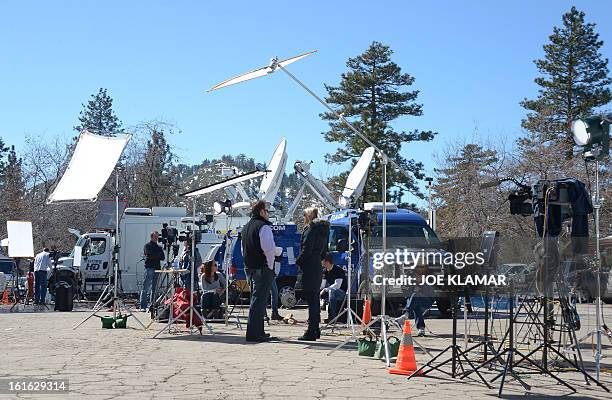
(107, 322)
(121, 322)
(394, 345)
(366, 347)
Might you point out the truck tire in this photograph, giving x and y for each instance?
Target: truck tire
(287, 297)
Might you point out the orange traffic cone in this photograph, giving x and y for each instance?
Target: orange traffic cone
(5, 299)
(406, 361)
(367, 312)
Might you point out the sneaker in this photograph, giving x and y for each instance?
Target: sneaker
(421, 332)
(276, 317)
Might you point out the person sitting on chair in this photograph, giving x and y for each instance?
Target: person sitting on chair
(213, 286)
(419, 302)
(333, 285)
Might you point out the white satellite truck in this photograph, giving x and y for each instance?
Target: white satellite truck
(135, 228)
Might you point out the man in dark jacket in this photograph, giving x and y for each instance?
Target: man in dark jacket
(258, 249)
(313, 248)
(153, 255)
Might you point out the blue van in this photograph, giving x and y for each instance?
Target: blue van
(285, 236)
(406, 229)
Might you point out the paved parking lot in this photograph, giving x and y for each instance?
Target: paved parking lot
(106, 364)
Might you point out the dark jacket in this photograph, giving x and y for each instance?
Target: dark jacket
(153, 255)
(254, 257)
(313, 247)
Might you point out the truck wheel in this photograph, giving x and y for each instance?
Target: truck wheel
(287, 296)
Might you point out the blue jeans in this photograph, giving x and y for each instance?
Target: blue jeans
(40, 286)
(148, 287)
(419, 305)
(274, 291)
(260, 281)
(335, 296)
(211, 301)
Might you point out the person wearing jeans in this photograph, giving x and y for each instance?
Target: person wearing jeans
(153, 255)
(259, 250)
(42, 263)
(334, 285)
(419, 302)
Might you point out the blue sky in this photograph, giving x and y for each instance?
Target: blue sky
(472, 62)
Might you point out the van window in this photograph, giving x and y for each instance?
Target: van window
(407, 235)
(97, 246)
(6, 266)
(336, 233)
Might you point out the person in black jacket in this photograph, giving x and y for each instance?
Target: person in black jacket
(153, 255)
(313, 248)
(258, 249)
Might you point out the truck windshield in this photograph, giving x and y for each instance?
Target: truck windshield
(406, 236)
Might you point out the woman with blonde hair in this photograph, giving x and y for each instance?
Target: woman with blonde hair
(313, 247)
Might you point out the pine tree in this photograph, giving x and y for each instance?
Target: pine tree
(12, 188)
(156, 175)
(98, 116)
(3, 150)
(371, 95)
(574, 80)
(464, 209)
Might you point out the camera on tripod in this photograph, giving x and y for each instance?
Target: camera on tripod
(367, 219)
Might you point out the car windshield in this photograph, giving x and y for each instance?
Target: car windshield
(406, 235)
(6, 266)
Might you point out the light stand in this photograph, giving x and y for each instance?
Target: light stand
(348, 310)
(117, 303)
(384, 160)
(597, 202)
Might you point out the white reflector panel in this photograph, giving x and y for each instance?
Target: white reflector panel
(91, 165)
(20, 239)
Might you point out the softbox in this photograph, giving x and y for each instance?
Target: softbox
(20, 239)
(91, 165)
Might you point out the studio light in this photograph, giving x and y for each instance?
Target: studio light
(593, 133)
(222, 206)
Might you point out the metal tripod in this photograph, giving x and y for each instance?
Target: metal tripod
(117, 302)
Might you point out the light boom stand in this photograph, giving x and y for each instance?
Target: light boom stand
(117, 303)
(597, 202)
(384, 160)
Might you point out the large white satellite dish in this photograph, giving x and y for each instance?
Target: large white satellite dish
(268, 69)
(356, 179)
(271, 182)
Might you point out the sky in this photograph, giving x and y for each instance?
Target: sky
(472, 62)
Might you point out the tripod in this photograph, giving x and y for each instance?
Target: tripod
(347, 298)
(117, 302)
(190, 310)
(456, 353)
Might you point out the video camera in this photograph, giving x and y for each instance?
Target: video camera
(367, 219)
(523, 199)
(168, 235)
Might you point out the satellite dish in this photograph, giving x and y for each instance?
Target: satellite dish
(272, 180)
(356, 179)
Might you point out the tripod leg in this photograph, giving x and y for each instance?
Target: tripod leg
(579, 369)
(506, 369)
(94, 312)
(129, 312)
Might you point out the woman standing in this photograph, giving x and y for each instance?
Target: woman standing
(313, 248)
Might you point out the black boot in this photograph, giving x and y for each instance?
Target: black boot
(309, 336)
